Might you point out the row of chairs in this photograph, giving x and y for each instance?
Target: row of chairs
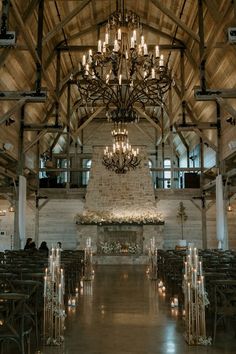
(220, 282)
(21, 295)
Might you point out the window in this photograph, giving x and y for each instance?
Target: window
(62, 178)
(42, 174)
(86, 174)
(167, 174)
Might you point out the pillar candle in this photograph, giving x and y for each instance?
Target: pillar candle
(45, 286)
(202, 284)
(53, 271)
(189, 290)
(134, 35)
(161, 63)
(116, 46)
(86, 69)
(142, 41)
(99, 46)
(176, 302)
(132, 43)
(119, 34)
(145, 49)
(157, 51)
(106, 38)
(62, 281)
(153, 73)
(185, 268)
(60, 294)
(200, 268)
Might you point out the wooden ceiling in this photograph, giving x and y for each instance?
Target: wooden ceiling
(79, 23)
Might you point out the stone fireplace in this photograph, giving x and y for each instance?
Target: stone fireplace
(120, 215)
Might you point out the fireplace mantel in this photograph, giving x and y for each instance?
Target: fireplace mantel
(135, 234)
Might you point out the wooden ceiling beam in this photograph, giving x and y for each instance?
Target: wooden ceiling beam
(183, 140)
(213, 10)
(65, 21)
(189, 110)
(145, 133)
(161, 33)
(84, 48)
(33, 142)
(226, 106)
(142, 113)
(30, 44)
(75, 133)
(175, 19)
(28, 12)
(12, 110)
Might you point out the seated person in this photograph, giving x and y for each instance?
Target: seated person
(28, 242)
(44, 248)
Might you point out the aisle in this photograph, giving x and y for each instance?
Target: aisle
(120, 312)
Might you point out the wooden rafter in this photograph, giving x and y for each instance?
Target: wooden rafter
(226, 106)
(33, 142)
(95, 114)
(65, 21)
(30, 43)
(175, 19)
(213, 10)
(28, 12)
(12, 110)
(190, 113)
(142, 113)
(182, 138)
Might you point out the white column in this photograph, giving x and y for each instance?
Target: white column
(221, 230)
(22, 209)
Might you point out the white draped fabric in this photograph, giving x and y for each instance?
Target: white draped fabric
(221, 230)
(22, 209)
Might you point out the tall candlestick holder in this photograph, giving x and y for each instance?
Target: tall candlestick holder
(54, 309)
(195, 300)
(88, 260)
(152, 253)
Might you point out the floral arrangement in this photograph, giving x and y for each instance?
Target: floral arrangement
(115, 247)
(94, 217)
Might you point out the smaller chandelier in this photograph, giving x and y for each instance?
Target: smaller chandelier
(123, 157)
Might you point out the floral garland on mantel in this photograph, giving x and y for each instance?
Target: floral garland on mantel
(95, 218)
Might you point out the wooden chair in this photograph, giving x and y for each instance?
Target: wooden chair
(224, 303)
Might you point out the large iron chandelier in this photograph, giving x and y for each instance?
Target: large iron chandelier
(123, 72)
(123, 157)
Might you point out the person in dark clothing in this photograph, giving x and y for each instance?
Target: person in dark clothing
(44, 248)
(28, 242)
(32, 247)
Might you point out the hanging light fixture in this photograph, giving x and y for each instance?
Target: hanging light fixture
(11, 209)
(123, 72)
(3, 212)
(123, 157)
(229, 206)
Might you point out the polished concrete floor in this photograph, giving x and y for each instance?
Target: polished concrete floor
(121, 312)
